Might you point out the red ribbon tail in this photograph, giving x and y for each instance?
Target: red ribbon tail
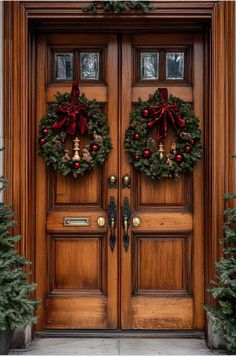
(71, 124)
(181, 121)
(83, 126)
(57, 125)
(177, 121)
(162, 129)
(173, 118)
(150, 124)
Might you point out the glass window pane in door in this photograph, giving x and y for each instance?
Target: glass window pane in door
(175, 65)
(149, 65)
(63, 66)
(89, 65)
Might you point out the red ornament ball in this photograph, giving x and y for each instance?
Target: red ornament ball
(178, 157)
(88, 114)
(137, 157)
(145, 113)
(94, 148)
(137, 136)
(76, 165)
(45, 131)
(187, 149)
(147, 153)
(42, 141)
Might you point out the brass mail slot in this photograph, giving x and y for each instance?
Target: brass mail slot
(77, 221)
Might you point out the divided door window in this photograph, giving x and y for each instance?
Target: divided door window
(83, 64)
(163, 65)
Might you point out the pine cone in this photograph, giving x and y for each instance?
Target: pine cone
(57, 145)
(86, 155)
(153, 167)
(97, 138)
(169, 161)
(151, 143)
(66, 157)
(186, 136)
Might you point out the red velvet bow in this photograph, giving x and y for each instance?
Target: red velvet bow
(163, 113)
(73, 114)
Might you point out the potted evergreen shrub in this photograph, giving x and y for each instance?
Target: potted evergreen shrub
(223, 315)
(16, 305)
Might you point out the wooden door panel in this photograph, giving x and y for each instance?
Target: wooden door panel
(186, 93)
(55, 220)
(161, 274)
(76, 312)
(166, 193)
(79, 284)
(173, 313)
(96, 91)
(89, 191)
(162, 264)
(78, 272)
(163, 221)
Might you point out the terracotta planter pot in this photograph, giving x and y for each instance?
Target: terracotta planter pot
(5, 341)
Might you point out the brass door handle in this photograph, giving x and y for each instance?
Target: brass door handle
(126, 215)
(125, 226)
(112, 221)
(113, 236)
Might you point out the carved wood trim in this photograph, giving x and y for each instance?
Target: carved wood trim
(19, 100)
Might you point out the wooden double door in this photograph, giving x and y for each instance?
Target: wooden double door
(157, 282)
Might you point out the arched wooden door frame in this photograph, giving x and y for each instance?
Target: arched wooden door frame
(20, 21)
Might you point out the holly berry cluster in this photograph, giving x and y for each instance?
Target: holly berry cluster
(147, 154)
(53, 142)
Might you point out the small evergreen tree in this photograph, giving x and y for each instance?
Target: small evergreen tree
(16, 306)
(224, 289)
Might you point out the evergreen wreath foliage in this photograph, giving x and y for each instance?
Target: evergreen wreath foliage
(142, 150)
(224, 288)
(118, 6)
(52, 142)
(16, 306)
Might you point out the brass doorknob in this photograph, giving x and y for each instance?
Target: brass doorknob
(136, 221)
(112, 182)
(112, 179)
(101, 221)
(126, 181)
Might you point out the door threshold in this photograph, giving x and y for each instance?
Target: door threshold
(173, 334)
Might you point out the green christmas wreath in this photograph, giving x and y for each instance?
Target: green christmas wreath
(67, 116)
(160, 111)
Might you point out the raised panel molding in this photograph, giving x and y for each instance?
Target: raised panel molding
(85, 190)
(78, 273)
(162, 264)
(168, 194)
